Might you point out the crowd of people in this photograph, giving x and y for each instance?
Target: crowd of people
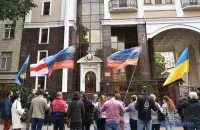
(101, 112)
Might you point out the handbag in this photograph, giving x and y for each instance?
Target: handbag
(161, 116)
(23, 117)
(68, 121)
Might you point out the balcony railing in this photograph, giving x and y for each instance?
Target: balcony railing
(122, 5)
(190, 4)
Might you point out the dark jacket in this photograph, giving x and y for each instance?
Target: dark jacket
(76, 111)
(181, 110)
(191, 111)
(144, 105)
(88, 110)
(6, 109)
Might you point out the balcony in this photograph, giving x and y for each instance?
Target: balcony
(190, 4)
(123, 5)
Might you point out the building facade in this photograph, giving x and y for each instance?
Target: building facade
(169, 60)
(102, 27)
(10, 45)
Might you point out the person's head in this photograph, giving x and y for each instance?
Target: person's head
(16, 96)
(76, 96)
(84, 96)
(117, 96)
(59, 94)
(133, 98)
(40, 92)
(9, 94)
(103, 99)
(111, 95)
(33, 91)
(169, 102)
(193, 95)
(144, 89)
(95, 97)
(153, 97)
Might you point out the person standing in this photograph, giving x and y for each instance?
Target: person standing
(118, 98)
(154, 114)
(59, 108)
(38, 107)
(17, 112)
(192, 112)
(6, 111)
(182, 110)
(94, 101)
(76, 112)
(100, 117)
(144, 104)
(112, 108)
(133, 113)
(87, 119)
(169, 112)
(30, 98)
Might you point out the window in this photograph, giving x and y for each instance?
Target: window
(169, 1)
(44, 36)
(41, 81)
(147, 1)
(9, 31)
(158, 2)
(5, 60)
(46, 8)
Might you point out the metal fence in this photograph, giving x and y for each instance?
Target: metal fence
(185, 3)
(122, 3)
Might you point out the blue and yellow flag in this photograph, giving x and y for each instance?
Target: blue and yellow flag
(21, 76)
(181, 67)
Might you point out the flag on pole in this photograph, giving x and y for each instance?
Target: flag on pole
(21, 76)
(121, 59)
(62, 60)
(39, 69)
(181, 67)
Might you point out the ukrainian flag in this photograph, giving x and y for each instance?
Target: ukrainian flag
(182, 67)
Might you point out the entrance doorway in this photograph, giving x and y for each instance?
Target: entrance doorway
(90, 82)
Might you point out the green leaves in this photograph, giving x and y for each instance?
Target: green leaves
(14, 9)
(159, 64)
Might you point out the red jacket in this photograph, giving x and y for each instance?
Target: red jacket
(59, 105)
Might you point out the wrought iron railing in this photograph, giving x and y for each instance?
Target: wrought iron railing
(122, 3)
(186, 3)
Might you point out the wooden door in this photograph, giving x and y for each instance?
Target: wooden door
(90, 82)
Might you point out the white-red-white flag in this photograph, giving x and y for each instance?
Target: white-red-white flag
(39, 69)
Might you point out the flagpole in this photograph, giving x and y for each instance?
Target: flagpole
(130, 83)
(188, 82)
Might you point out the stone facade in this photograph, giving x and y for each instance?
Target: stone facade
(11, 45)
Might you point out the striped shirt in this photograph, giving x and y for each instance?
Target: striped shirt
(169, 116)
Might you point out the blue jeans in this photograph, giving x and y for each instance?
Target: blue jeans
(58, 122)
(112, 125)
(197, 127)
(37, 123)
(170, 125)
(141, 124)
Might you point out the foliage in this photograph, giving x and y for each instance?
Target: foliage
(14, 9)
(139, 81)
(159, 64)
(4, 89)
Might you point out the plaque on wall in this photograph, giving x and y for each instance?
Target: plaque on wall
(107, 74)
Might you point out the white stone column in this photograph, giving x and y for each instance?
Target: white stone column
(98, 78)
(179, 10)
(28, 17)
(140, 8)
(106, 9)
(66, 43)
(82, 79)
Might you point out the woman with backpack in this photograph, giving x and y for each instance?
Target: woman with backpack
(76, 112)
(100, 117)
(155, 115)
(17, 112)
(169, 112)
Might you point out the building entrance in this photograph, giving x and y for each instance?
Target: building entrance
(90, 82)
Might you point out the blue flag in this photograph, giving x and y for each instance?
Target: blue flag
(21, 76)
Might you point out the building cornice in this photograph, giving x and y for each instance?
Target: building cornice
(159, 7)
(43, 24)
(177, 20)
